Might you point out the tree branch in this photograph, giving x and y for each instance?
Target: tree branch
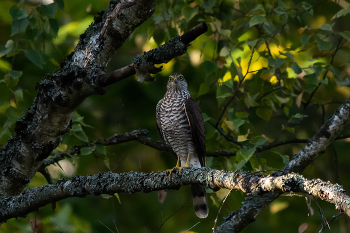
(171, 49)
(131, 182)
(317, 145)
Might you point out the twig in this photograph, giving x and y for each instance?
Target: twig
(325, 74)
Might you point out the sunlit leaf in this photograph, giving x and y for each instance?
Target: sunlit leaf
(242, 114)
(117, 196)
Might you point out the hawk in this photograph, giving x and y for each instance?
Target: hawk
(180, 125)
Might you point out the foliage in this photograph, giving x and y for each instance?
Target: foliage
(265, 72)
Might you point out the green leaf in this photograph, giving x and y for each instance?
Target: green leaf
(15, 73)
(278, 63)
(106, 196)
(282, 100)
(203, 89)
(323, 45)
(346, 35)
(247, 153)
(242, 114)
(296, 68)
(188, 12)
(209, 67)
(304, 40)
(334, 70)
(17, 13)
(289, 129)
(208, 4)
(117, 196)
(260, 142)
(311, 82)
(60, 4)
(34, 57)
(298, 116)
(7, 48)
(285, 158)
(107, 163)
(346, 82)
(205, 117)
(54, 26)
(257, 19)
(49, 9)
(237, 70)
(76, 127)
(19, 25)
(237, 123)
(101, 149)
(87, 150)
(82, 136)
(264, 112)
(36, 33)
(158, 36)
(19, 94)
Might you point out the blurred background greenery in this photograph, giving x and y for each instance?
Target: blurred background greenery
(308, 45)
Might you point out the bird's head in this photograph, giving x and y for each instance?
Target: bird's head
(177, 83)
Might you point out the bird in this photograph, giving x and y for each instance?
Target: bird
(181, 127)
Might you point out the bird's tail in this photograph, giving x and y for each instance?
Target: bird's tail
(200, 201)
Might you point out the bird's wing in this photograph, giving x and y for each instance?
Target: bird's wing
(159, 128)
(195, 119)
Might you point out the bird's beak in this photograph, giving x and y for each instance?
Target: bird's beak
(175, 80)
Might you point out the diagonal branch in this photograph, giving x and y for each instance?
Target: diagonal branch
(171, 49)
(317, 145)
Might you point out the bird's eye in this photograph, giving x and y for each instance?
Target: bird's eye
(170, 79)
(181, 78)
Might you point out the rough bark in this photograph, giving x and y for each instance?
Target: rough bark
(38, 132)
(109, 183)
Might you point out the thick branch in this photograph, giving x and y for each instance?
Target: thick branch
(131, 182)
(145, 63)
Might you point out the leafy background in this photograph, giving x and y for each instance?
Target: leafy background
(265, 72)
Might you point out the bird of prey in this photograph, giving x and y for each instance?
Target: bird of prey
(180, 125)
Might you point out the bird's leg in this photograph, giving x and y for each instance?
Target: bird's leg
(187, 164)
(176, 167)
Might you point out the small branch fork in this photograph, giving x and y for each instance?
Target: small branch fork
(131, 182)
(155, 56)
